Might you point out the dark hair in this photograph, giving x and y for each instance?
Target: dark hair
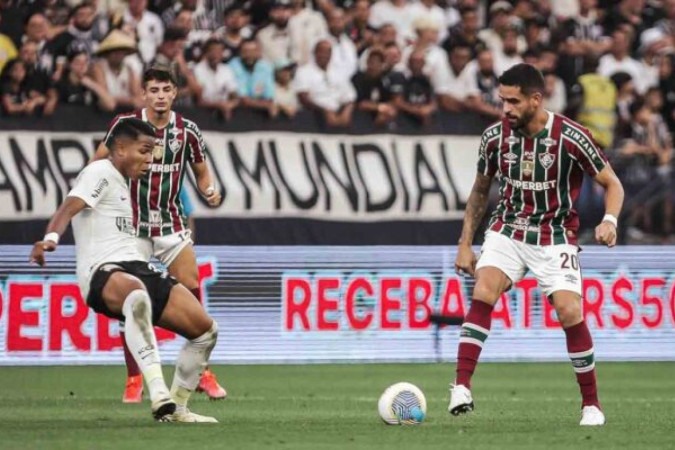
(636, 106)
(525, 76)
(131, 128)
(158, 72)
(211, 42)
(620, 79)
(174, 34)
(78, 7)
(9, 65)
(466, 10)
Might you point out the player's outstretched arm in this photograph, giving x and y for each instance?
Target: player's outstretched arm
(102, 152)
(205, 183)
(605, 233)
(57, 226)
(473, 215)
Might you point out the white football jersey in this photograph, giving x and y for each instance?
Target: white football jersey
(103, 231)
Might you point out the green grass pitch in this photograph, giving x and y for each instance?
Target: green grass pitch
(523, 406)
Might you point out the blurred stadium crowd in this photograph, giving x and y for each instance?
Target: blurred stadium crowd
(609, 64)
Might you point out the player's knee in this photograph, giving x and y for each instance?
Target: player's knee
(209, 338)
(137, 306)
(487, 293)
(569, 314)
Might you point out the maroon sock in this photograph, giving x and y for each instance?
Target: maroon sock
(580, 349)
(475, 330)
(132, 367)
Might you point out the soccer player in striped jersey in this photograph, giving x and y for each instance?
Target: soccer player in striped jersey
(161, 225)
(539, 159)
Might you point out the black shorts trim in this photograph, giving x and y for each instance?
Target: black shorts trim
(157, 283)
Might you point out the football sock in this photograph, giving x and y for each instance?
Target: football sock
(190, 364)
(475, 330)
(140, 337)
(580, 350)
(132, 368)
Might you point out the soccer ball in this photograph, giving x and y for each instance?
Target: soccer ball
(402, 404)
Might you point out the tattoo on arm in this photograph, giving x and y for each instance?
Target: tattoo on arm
(475, 207)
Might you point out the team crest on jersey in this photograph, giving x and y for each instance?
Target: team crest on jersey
(527, 167)
(546, 160)
(175, 142)
(158, 149)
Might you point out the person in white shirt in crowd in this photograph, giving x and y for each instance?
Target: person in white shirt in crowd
(285, 95)
(429, 8)
(112, 72)
(653, 47)
(483, 93)
(306, 26)
(452, 94)
(555, 94)
(437, 67)
(385, 36)
(319, 89)
(619, 60)
(275, 38)
(219, 85)
(395, 12)
(509, 55)
(145, 25)
(501, 19)
(344, 60)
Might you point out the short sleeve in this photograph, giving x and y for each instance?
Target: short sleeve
(488, 151)
(586, 151)
(196, 146)
(92, 184)
(302, 81)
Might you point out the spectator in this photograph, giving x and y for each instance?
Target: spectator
(482, 95)
(624, 12)
(667, 87)
(255, 78)
(285, 95)
(385, 36)
(201, 19)
(76, 87)
(509, 55)
(502, 19)
(429, 9)
(36, 30)
(16, 100)
(170, 54)
(452, 95)
(219, 86)
(7, 48)
(235, 31)
(319, 89)
(275, 38)
(358, 29)
(580, 36)
(619, 60)
(555, 96)
(418, 94)
(626, 95)
(371, 94)
(437, 67)
(38, 81)
(79, 36)
(393, 78)
(344, 60)
(397, 13)
(116, 77)
(465, 33)
(306, 27)
(594, 99)
(145, 25)
(536, 34)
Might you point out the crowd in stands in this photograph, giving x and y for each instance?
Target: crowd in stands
(609, 64)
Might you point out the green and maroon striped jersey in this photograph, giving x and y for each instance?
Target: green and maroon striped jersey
(155, 198)
(539, 178)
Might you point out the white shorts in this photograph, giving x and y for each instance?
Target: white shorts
(164, 248)
(556, 267)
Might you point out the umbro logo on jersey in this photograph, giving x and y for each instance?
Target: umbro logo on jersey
(510, 157)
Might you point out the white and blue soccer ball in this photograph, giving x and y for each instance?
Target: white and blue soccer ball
(402, 404)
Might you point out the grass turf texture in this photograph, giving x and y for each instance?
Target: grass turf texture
(327, 406)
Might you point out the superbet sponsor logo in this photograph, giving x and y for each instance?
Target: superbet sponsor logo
(40, 314)
(381, 302)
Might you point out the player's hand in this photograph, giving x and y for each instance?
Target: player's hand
(212, 197)
(605, 234)
(465, 261)
(37, 255)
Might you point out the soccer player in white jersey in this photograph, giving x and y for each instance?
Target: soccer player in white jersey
(118, 282)
(539, 159)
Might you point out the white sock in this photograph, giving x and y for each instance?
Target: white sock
(140, 337)
(190, 365)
